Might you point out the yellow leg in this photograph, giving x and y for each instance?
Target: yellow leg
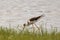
(37, 27)
(33, 28)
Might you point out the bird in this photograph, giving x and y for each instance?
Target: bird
(31, 21)
(35, 19)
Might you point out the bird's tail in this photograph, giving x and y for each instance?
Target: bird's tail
(40, 16)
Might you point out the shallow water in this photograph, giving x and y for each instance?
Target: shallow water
(17, 12)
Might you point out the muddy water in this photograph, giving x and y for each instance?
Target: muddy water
(16, 12)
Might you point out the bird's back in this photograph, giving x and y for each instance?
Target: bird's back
(36, 18)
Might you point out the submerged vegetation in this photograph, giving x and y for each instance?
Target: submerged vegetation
(11, 34)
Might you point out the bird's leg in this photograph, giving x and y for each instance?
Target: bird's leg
(33, 28)
(37, 27)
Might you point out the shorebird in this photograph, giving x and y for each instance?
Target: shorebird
(31, 21)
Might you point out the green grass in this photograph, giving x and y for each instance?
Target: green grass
(11, 34)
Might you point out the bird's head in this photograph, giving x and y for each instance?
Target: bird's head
(24, 24)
